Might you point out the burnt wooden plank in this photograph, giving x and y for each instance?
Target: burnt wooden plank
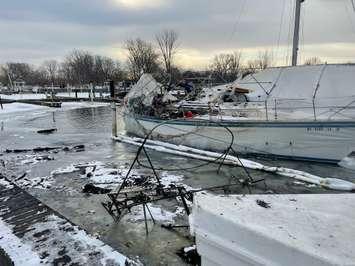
(31, 202)
(18, 197)
(22, 215)
(21, 211)
(10, 192)
(29, 220)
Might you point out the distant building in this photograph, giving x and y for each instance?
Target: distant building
(19, 85)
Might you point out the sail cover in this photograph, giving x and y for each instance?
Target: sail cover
(301, 82)
(322, 90)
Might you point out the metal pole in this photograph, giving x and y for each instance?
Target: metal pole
(266, 111)
(145, 220)
(296, 32)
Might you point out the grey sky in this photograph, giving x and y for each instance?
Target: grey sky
(36, 30)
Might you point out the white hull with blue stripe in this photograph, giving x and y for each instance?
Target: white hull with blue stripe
(323, 141)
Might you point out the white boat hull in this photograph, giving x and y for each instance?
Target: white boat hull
(324, 141)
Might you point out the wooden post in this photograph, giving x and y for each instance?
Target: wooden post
(114, 119)
(112, 89)
(145, 220)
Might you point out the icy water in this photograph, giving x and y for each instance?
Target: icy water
(91, 126)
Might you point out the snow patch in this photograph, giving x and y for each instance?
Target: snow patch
(57, 236)
(20, 107)
(65, 170)
(348, 162)
(159, 214)
(20, 253)
(5, 183)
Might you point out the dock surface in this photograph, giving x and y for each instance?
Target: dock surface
(31, 233)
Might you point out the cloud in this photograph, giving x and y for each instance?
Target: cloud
(141, 4)
(34, 30)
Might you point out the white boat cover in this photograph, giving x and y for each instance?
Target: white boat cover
(302, 82)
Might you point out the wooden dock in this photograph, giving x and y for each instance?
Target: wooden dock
(50, 236)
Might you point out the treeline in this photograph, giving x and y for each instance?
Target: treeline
(78, 68)
(158, 58)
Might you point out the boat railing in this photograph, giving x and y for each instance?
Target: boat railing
(295, 109)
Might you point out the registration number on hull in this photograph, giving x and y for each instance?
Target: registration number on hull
(323, 129)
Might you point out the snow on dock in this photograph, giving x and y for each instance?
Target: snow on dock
(274, 229)
(33, 234)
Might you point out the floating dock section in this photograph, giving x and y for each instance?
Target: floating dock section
(274, 229)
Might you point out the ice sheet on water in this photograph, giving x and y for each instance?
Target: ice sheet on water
(21, 107)
(39, 110)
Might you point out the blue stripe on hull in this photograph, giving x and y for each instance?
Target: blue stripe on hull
(261, 124)
(295, 124)
(293, 158)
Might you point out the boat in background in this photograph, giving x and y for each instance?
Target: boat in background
(295, 112)
(320, 128)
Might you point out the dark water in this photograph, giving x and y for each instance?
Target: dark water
(92, 127)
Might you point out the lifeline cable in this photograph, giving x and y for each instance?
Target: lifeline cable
(151, 167)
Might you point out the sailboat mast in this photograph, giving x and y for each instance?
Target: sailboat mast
(296, 33)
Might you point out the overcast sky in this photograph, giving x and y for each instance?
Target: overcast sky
(37, 30)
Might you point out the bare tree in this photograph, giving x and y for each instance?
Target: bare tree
(167, 42)
(263, 61)
(142, 57)
(106, 68)
(18, 71)
(51, 68)
(313, 61)
(79, 67)
(226, 67)
(3, 78)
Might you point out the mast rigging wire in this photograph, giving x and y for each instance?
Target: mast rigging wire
(352, 25)
(281, 23)
(237, 22)
(302, 43)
